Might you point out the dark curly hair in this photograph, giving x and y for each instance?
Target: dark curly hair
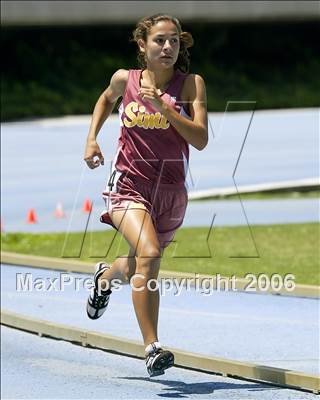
(142, 30)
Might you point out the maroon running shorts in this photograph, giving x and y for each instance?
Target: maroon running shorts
(166, 203)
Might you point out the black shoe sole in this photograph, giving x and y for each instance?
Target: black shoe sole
(96, 316)
(164, 362)
(89, 316)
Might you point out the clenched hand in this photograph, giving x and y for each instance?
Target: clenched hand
(93, 156)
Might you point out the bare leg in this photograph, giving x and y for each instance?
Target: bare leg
(122, 268)
(137, 227)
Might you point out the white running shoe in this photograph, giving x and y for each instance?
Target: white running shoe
(99, 299)
(158, 360)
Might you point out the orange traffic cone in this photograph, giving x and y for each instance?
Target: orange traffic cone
(59, 213)
(31, 217)
(87, 206)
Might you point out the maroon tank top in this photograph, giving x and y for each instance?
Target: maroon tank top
(149, 147)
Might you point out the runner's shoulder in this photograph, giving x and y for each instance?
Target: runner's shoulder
(194, 80)
(121, 76)
(119, 80)
(192, 84)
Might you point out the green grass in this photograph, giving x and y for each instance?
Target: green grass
(269, 249)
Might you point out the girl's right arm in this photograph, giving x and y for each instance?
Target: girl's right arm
(101, 112)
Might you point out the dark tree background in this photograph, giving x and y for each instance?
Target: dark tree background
(50, 71)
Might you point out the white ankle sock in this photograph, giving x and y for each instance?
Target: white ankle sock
(152, 347)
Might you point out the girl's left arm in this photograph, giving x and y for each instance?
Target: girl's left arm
(194, 131)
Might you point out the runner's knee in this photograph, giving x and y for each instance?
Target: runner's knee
(149, 253)
(148, 261)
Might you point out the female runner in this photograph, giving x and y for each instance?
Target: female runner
(163, 110)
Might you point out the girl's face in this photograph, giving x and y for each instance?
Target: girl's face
(162, 46)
